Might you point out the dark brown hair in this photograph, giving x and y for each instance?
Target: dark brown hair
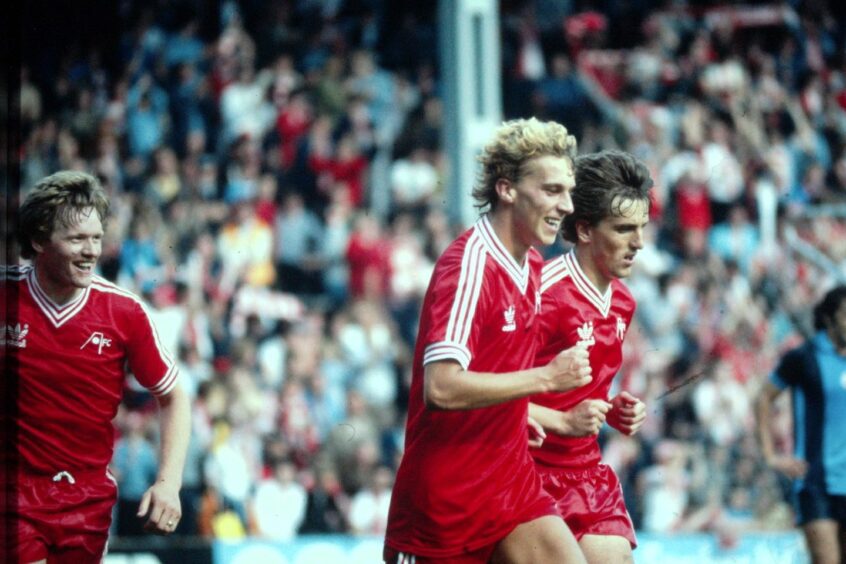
(605, 181)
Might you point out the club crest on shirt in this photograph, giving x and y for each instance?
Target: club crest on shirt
(98, 340)
(509, 319)
(15, 335)
(621, 328)
(586, 334)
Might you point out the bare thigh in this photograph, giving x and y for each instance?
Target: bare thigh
(543, 540)
(606, 549)
(824, 541)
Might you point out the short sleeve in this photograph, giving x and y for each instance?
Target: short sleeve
(453, 310)
(148, 359)
(789, 371)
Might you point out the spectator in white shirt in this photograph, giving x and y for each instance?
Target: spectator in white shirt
(279, 503)
(369, 507)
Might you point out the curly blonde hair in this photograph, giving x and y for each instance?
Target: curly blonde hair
(514, 144)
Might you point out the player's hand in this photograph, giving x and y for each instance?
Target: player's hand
(570, 369)
(160, 504)
(789, 466)
(586, 418)
(536, 433)
(627, 413)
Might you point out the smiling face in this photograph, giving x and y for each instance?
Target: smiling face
(65, 262)
(607, 250)
(541, 199)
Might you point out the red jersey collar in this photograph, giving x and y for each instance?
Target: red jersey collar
(600, 301)
(519, 274)
(57, 314)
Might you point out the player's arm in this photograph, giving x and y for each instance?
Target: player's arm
(160, 502)
(584, 419)
(447, 385)
(627, 413)
(787, 465)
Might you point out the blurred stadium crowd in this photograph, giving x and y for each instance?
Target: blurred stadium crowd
(276, 175)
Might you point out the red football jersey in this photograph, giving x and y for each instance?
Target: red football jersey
(466, 475)
(573, 311)
(70, 362)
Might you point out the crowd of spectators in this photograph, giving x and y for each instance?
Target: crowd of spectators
(245, 152)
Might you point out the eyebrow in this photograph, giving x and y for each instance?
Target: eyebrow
(78, 232)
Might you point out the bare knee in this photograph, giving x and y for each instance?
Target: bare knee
(606, 549)
(820, 555)
(823, 543)
(546, 539)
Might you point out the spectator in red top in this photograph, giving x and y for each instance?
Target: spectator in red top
(694, 214)
(292, 124)
(346, 169)
(266, 206)
(368, 256)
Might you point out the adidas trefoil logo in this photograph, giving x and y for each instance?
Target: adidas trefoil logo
(621, 328)
(586, 334)
(509, 319)
(15, 335)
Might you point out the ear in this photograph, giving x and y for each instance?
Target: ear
(505, 190)
(583, 231)
(38, 247)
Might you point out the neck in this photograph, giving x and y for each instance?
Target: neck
(588, 266)
(60, 295)
(503, 225)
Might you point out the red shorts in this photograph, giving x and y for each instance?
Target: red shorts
(63, 518)
(590, 500)
(479, 556)
(541, 507)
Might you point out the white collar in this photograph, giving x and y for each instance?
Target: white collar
(601, 301)
(57, 314)
(518, 273)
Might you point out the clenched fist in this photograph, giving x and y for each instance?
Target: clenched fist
(627, 413)
(587, 417)
(569, 369)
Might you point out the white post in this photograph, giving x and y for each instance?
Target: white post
(470, 71)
